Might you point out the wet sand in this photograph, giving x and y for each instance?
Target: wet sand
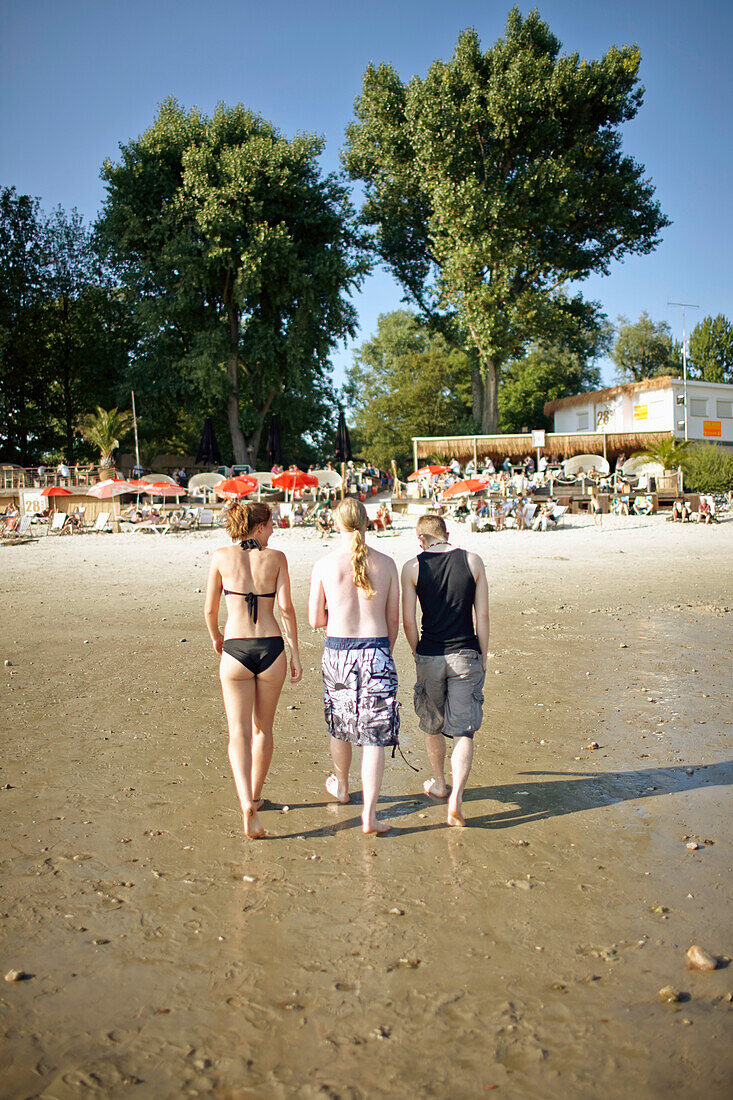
(169, 957)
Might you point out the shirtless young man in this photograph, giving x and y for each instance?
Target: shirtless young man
(450, 656)
(355, 595)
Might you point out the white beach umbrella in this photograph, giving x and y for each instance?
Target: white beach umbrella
(584, 462)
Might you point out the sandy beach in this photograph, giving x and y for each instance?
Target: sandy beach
(168, 957)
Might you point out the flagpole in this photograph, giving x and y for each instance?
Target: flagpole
(134, 424)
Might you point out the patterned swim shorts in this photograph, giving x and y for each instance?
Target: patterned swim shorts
(360, 691)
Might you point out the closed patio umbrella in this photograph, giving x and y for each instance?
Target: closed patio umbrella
(342, 445)
(273, 450)
(208, 451)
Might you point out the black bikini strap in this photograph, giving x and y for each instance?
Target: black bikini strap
(250, 598)
(250, 544)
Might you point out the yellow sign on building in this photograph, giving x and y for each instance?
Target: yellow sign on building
(640, 412)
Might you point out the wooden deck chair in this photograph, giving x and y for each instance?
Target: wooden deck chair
(58, 524)
(206, 517)
(558, 515)
(10, 526)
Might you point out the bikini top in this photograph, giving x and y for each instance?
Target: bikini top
(250, 598)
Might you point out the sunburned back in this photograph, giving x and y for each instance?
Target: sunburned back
(244, 571)
(351, 614)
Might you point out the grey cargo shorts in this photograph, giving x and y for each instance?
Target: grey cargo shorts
(449, 696)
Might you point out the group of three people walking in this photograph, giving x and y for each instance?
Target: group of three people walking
(355, 595)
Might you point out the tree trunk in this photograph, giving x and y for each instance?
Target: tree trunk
(252, 441)
(485, 393)
(238, 443)
(68, 411)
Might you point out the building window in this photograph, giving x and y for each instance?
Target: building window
(724, 409)
(583, 421)
(698, 406)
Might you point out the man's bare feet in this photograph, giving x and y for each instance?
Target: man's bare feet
(378, 827)
(434, 789)
(456, 819)
(337, 790)
(252, 827)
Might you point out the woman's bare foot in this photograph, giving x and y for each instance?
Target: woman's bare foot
(252, 827)
(434, 789)
(456, 819)
(337, 790)
(374, 826)
(258, 803)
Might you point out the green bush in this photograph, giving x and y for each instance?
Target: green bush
(708, 469)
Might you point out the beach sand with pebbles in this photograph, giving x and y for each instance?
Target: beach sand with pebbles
(166, 956)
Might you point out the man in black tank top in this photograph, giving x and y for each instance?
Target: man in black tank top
(450, 653)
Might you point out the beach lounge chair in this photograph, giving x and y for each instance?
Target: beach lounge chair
(101, 523)
(206, 518)
(10, 526)
(20, 533)
(557, 519)
(58, 524)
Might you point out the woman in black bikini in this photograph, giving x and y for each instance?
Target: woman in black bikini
(253, 663)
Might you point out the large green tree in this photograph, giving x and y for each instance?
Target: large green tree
(645, 349)
(86, 327)
(711, 350)
(238, 257)
(23, 382)
(406, 381)
(497, 180)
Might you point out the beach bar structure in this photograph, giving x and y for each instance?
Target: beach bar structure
(617, 420)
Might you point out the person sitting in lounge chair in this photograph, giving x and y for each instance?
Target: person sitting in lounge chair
(324, 521)
(680, 511)
(383, 519)
(706, 511)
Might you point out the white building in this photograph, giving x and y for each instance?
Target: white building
(656, 405)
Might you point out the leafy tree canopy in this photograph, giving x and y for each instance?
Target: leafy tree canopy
(237, 257)
(645, 349)
(406, 381)
(499, 178)
(711, 350)
(62, 329)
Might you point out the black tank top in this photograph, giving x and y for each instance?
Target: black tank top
(446, 590)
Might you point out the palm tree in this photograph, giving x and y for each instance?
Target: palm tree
(103, 429)
(667, 452)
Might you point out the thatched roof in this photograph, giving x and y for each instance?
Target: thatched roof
(514, 446)
(597, 396)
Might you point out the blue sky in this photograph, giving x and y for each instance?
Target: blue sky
(79, 77)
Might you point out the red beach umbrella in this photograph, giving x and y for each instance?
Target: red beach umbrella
(55, 491)
(426, 471)
(160, 489)
(236, 487)
(466, 487)
(295, 480)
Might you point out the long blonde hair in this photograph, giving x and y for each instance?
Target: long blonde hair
(352, 517)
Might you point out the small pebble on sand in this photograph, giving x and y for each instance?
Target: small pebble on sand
(669, 995)
(700, 959)
(16, 976)
(8, 664)
(396, 912)
(692, 846)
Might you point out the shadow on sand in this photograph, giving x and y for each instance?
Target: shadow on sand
(534, 800)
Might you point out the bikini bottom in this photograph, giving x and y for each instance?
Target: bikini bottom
(256, 654)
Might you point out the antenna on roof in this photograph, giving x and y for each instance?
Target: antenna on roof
(684, 306)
